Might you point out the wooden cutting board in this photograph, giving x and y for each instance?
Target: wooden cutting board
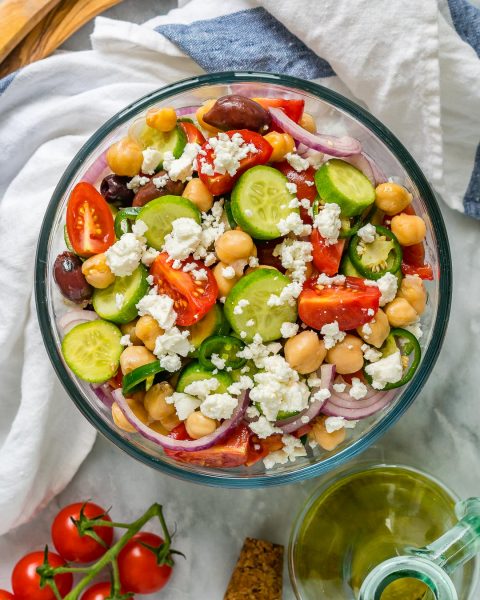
(33, 29)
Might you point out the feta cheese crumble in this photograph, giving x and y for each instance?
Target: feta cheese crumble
(358, 390)
(293, 224)
(297, 162)
(238, 310)
(370, 353)
(291, 187)
(219, 406)
(202, 387)
(288, 295)
(294, 255)
(179, 169)
(228, 272)
(262, 428)
(334, 424)
(124, 256)
(185, 404)
(227, 154)
(386, 370)
(158, 307)
(292, 449)
(125, 340)
(288, 330)
(151, 160)
(217, 361)
(339, 387)
(184, 238)
(119, 298)
(328, 222)
(367, 233)
(388, 285)
(137, 182)
(332, 334)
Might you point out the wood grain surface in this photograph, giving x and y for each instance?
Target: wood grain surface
(55, 27)
(18, 18)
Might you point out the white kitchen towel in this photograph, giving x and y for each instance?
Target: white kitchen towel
(414, 65)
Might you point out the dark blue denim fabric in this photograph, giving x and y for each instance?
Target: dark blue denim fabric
(466, 19)
(248, 40)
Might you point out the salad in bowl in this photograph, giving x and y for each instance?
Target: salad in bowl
(241, 285)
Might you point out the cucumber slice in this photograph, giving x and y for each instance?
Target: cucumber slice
(68, 243)
(256, 288)
(172, 141)
(195, 372)
(127, 290)
(340, 182)
(159, 214)
(347, 268)
(259, 200)
(92, 350)
(213, 323)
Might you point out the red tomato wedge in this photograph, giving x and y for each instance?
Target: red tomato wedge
(326, 258)
(233, 452)
(305, 182)
(194, 135)
(192, 298)
(347, 303)
(292, 108)
(222, 183)
(89, 221)
(258, 448)
(413, 261)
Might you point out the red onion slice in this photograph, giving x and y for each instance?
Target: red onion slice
(327, 374)
(74, 317)
(187, 445)
(330, 144)
(92, 174)
(346, 395)
(362, 411)
(104, 393)
(186, 111)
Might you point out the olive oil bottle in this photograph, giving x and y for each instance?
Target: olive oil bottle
(359, 521)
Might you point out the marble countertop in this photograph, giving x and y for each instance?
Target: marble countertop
(440, 434)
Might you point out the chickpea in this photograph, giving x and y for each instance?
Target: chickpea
(392, 198)
(120, 420)
(171, 421)
(199, 425)
(328, 441)
(308, 123)
(125, 157)
(158, 427)
(135, 356)
(97, 272)
(198, 193)
(147, 330)
(305, 352)
(162, 119)
(413, 290)
(409, 229)
(347, 355)
(400, 313)
(155, 401)
(233, 245)
(202, 110)
(224, 285)
(282, 144)
(129, 329)
(379, 327)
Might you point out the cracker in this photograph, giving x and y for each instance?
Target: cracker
(258, 572)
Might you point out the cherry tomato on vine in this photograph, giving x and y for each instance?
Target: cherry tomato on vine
(139, 571)
(4, 595)
(99, 591)
(67, 540)
(26, 581)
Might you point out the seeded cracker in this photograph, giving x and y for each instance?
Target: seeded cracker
(258, 572)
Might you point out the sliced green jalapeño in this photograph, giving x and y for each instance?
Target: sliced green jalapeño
(123, 220)
(407, 343)
(225, 347)
(139, 375)
(374, 259)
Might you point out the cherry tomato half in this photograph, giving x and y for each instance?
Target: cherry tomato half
(99, 591)
(258, 448)
(26, 581)
(68, 541)
(221, 183)
(89, 221)
(305, 182)
(291, 107)
(4, 595)
(347, 303)
(326, 258)
(192, 298)
(232, 452)
(139, 571)
(413, 261)
(194, 135)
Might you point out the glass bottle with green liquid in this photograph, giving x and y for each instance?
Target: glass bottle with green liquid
(385, 533)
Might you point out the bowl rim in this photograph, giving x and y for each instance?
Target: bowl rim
(445, 279)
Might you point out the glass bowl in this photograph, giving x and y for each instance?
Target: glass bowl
(336, 115)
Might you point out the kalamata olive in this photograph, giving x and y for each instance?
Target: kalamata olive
(114, 189)
(265, 256)
(237, 112)
(67, 271)
(149, 191)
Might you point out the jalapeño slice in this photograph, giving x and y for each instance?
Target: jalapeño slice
(374, 259)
